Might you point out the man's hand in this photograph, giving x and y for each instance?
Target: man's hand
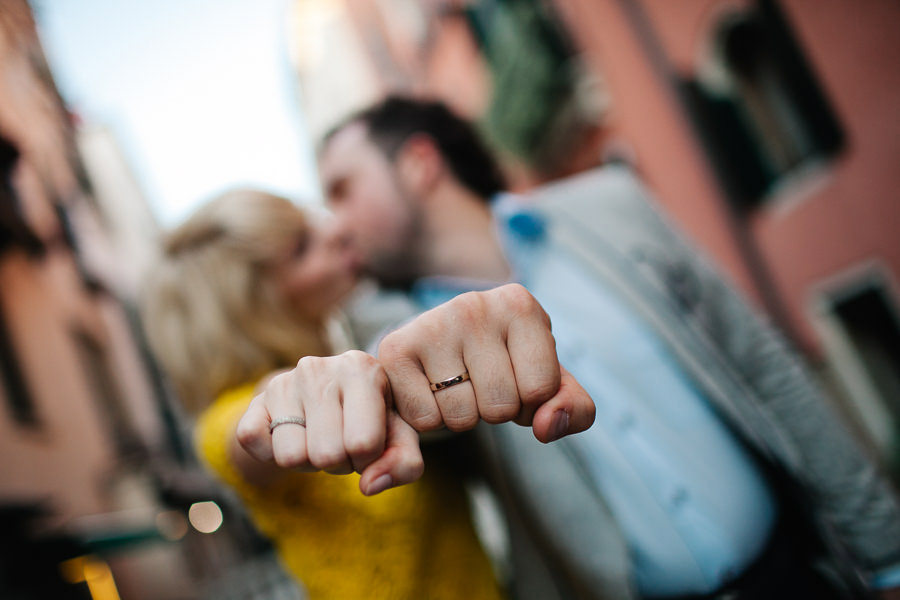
(502, 338)
(344, 401)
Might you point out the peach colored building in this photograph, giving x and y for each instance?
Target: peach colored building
(65, 340)
(767, 128)
(93, 464)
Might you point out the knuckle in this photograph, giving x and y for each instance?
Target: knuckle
(246, 434)
(391, 346)
(414, 466)
(538, 391)
(308, 362)
(278, 383)
(364, 445)
(470, 308)
(327, 458)
(418, 412)
(358, 357)
(307, 369)
(362, 363)
(461, 422)
(517, 299)
(430, 328)
(500, 412)
(291, 458)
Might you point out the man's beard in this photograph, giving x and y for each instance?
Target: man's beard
(400, 267)
(397, 270)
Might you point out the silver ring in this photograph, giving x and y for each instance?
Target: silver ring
(443, 385)
(285, 420)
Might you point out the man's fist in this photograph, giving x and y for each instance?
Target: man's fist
(500, 338)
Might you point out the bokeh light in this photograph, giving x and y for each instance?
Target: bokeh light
(205, 517)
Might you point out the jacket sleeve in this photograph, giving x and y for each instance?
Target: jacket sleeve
(850, 496)
(565, 543)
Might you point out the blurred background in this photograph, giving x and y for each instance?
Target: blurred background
(769, 129)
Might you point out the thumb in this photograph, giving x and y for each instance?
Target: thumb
(570, 411)
(401, 462)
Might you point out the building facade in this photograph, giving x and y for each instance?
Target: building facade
(97, 481)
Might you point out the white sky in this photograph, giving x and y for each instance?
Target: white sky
(199, 93)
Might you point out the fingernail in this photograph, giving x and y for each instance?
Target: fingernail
(560, 426)
(380, 484)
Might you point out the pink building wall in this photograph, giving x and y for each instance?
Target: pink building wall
(65, 458)
(853, 214)
(813, 228)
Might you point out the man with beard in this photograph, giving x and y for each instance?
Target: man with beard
(715, 467)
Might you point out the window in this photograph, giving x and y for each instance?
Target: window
(18, 395)
(872, 326)
(860, 327)
(105, 390)
(14, 230)
(544, 98)
(758, 106)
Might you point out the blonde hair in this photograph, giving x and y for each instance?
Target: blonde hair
(213, 314)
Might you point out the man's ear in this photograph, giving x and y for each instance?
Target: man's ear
(419, 164)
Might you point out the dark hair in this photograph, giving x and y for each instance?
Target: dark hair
(395, 119)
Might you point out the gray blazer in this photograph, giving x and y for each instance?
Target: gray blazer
(565, 542)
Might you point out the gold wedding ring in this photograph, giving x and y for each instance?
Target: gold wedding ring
(443, 385)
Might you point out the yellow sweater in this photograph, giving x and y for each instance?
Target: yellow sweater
(412, 542)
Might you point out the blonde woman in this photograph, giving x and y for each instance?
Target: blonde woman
(243, 289)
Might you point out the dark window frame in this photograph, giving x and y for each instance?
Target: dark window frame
(19, 399)
(734, 138)
(105, 388)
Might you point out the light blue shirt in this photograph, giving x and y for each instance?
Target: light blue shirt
(691, 503)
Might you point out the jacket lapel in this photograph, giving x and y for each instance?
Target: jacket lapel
(635, 265)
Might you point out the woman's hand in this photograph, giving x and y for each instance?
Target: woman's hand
(349, 426)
